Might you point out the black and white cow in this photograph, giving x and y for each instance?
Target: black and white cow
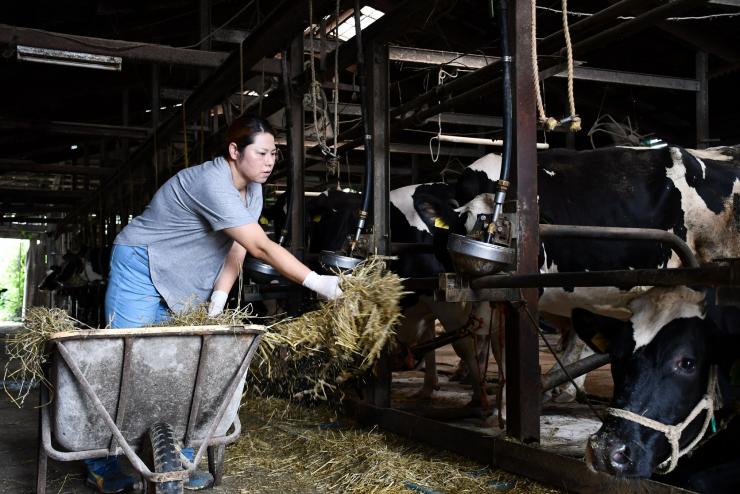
(693, 193)
(671, 364)
(415, 218)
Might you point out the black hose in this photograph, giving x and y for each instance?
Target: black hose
(368, 188)
(503, 22)
(502, 12)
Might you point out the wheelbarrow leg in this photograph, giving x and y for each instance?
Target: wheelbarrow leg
(41, 470)
(41, 458)
(216, 462)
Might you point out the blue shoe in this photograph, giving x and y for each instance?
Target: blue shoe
(199, 479)
(105, 474)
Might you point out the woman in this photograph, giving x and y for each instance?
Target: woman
(187, 247)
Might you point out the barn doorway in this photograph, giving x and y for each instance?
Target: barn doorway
(13, 256)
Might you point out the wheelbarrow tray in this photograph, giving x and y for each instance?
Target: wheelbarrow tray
(177, 375)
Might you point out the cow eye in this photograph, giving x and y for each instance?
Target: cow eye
(687, 364)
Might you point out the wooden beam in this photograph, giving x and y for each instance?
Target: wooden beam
(703, 40)
(75, 128)
(43, 196)
(128, 50)
(523, 393)
(28, 219)
(34, 208)
(27, 166)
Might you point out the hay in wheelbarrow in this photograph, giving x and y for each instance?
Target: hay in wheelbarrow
(304, 449)
(25, 350)
(305, 357)
(312, 355)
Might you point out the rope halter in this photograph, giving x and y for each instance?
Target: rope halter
(673, 432)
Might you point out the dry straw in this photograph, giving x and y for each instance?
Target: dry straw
(312, 355)
(309, 450)
(26, 350)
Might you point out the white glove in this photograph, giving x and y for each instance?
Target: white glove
(325, 286)
(218, 301)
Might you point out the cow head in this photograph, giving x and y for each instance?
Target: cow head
(661, 370)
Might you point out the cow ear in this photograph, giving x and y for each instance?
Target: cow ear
(435, 212)
(602, 334)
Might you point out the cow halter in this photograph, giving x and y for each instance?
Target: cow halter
(673, 432)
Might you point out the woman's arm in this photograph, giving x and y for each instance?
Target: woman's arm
(232, 266)
(254, 240)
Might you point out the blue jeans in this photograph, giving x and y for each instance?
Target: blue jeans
(131, 300)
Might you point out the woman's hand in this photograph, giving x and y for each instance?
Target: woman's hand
(218, 302)
(325, 286)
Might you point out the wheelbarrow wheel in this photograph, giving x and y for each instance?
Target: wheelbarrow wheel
(161, 456)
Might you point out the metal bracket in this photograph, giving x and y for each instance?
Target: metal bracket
(455, 288)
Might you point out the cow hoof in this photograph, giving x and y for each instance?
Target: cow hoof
(564, 397)
(423, 394)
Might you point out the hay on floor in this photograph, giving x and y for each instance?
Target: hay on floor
(310, 450)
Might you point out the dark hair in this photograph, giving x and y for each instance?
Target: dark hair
(243, 130)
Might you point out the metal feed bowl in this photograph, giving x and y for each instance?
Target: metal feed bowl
(332, 261)
(476, 258)
(259, 271)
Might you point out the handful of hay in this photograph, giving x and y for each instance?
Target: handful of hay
(310, 356)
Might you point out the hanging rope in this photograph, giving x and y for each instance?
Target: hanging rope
(440, 80)
(333, 162)
(316, 89)
(549, 123)
(575, 121)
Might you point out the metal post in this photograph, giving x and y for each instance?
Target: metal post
(522, 349)
(297, 158)
(378, 80)
(702, 100)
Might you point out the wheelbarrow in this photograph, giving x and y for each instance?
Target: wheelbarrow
(145, 393)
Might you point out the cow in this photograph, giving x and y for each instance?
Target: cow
(77, 278)
(671, 363)
(414, 219)
(693, 193)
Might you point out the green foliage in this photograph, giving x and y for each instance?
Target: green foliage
(12, 278)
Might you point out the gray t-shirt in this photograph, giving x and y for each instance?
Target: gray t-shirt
(182, 230)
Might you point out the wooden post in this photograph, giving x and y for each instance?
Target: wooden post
(297, 157)
(379, 392)
(523, 394)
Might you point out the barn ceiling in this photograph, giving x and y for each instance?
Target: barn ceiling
(66, 132)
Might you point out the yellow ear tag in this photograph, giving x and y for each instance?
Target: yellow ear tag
(263, 220)
(440, 223)
(600, 342)
(316, 218)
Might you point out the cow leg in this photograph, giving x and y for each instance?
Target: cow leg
(497, 349)
(573, 349)
(473, 350)
(417, 326)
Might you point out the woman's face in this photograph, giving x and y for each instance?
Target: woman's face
(255, 163)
